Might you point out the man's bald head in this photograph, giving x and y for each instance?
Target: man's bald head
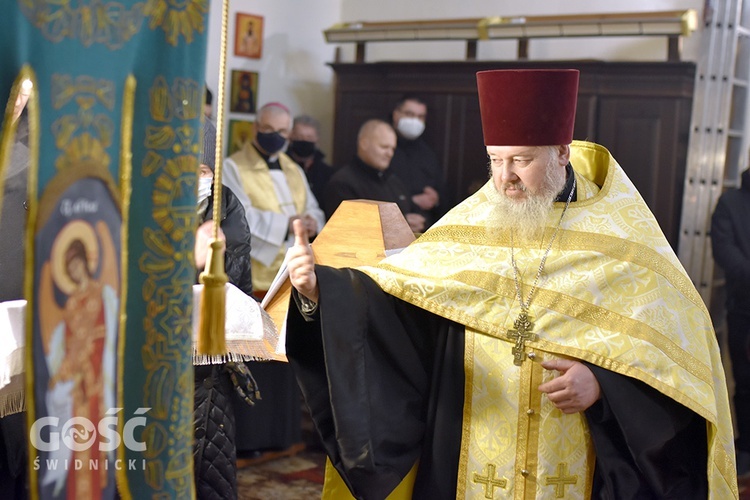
(376, 143)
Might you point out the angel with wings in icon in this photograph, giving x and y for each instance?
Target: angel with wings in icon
(80, 347)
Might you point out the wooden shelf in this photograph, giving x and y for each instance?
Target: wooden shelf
(672, 24)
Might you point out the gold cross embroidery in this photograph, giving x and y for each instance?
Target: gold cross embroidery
(561, 480)
(489, 481)
(521, 333)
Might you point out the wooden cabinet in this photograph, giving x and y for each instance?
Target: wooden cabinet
(640, 111)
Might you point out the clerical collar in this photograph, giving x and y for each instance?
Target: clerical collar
(404, 142)
(369, 170)
(562, 196)
(271, 160)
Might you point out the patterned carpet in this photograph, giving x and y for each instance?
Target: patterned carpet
(300, 477)
(287, 477)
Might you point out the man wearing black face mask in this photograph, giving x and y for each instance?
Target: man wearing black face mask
(303, 149)
(274, 191)
(415, 162)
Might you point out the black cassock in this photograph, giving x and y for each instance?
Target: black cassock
(384, 383)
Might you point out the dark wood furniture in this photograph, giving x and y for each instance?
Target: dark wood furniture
(640, 111)
(673, 24)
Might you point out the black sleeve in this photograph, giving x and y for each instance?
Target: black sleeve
(364, 375)
(337, 191)
(725, 243)
(13, 455)
(238, 271)
(647, 445)
(237, 233)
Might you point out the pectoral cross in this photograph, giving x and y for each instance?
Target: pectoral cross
(521, 333)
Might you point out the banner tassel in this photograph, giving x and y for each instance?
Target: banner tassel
(211, 335)
(211, 338)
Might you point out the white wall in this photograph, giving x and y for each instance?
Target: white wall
(293, 68)
(619, 49)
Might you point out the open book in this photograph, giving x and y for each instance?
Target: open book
(251, 334)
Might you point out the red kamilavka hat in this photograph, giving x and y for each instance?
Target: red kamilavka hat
(528, 107)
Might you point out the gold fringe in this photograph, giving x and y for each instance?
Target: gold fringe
(13, 397)
(211, 340)
(14, 403)
(205, 359)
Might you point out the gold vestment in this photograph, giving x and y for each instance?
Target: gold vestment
(613, 294)
(257, 183)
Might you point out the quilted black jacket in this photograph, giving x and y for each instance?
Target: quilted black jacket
(214, 453)
(237, 233)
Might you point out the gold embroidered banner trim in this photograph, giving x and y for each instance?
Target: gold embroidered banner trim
(166, 264)
(89, 22)
(32, 182)
(113, 24)
(83, 87)
(177, 18)
(126, 189)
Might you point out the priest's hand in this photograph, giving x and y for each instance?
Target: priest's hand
(575, 390)
(301, 264)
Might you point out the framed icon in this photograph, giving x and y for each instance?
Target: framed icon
(240, 132)
(243, 91)
(248, 36)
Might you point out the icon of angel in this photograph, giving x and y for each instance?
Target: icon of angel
(79, 337)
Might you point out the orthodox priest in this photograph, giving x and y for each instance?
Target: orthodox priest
(541, 340)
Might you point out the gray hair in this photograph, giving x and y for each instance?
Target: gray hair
(274, 108)
(307, 120)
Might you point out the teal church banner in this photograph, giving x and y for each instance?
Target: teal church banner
(114, 136)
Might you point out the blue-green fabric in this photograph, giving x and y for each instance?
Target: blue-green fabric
(81, 54)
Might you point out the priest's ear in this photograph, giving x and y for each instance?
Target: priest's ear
(562, 153)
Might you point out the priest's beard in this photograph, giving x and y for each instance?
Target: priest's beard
(527, 218)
